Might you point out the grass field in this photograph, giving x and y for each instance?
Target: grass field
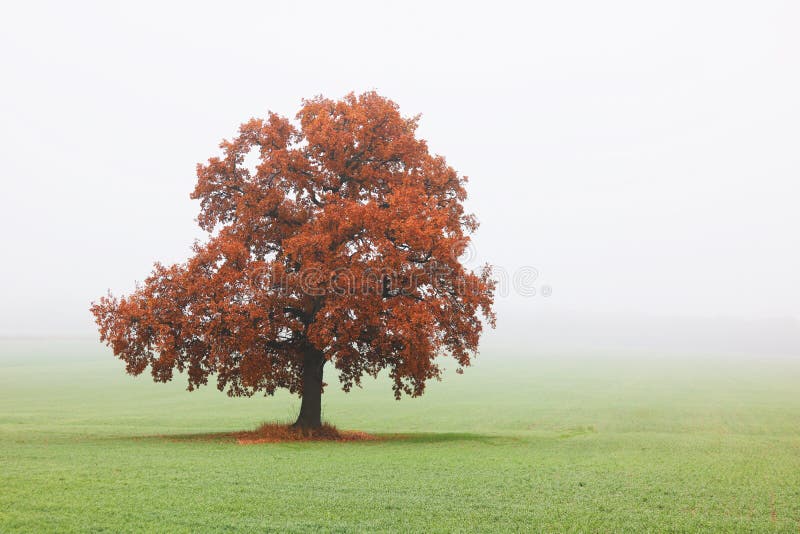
(580, 442)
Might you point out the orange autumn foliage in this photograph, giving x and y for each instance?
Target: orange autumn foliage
(342, 241)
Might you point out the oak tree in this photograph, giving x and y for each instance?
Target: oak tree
(340, 246)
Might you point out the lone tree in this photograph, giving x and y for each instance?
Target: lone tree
(339, 245)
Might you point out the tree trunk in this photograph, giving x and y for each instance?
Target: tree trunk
(311, 405)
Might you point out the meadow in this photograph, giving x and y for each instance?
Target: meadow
(542, 441)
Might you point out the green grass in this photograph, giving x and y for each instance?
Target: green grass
(520, 442)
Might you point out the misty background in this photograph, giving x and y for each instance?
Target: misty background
(642, 158)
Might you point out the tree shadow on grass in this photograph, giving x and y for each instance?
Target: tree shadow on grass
(411, 438)
(220, 437)
(446, 437)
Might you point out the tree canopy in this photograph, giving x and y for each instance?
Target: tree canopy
(340, 245)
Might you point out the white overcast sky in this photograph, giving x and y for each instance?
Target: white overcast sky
(644, 157)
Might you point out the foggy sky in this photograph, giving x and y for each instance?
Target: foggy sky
(642, 157)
